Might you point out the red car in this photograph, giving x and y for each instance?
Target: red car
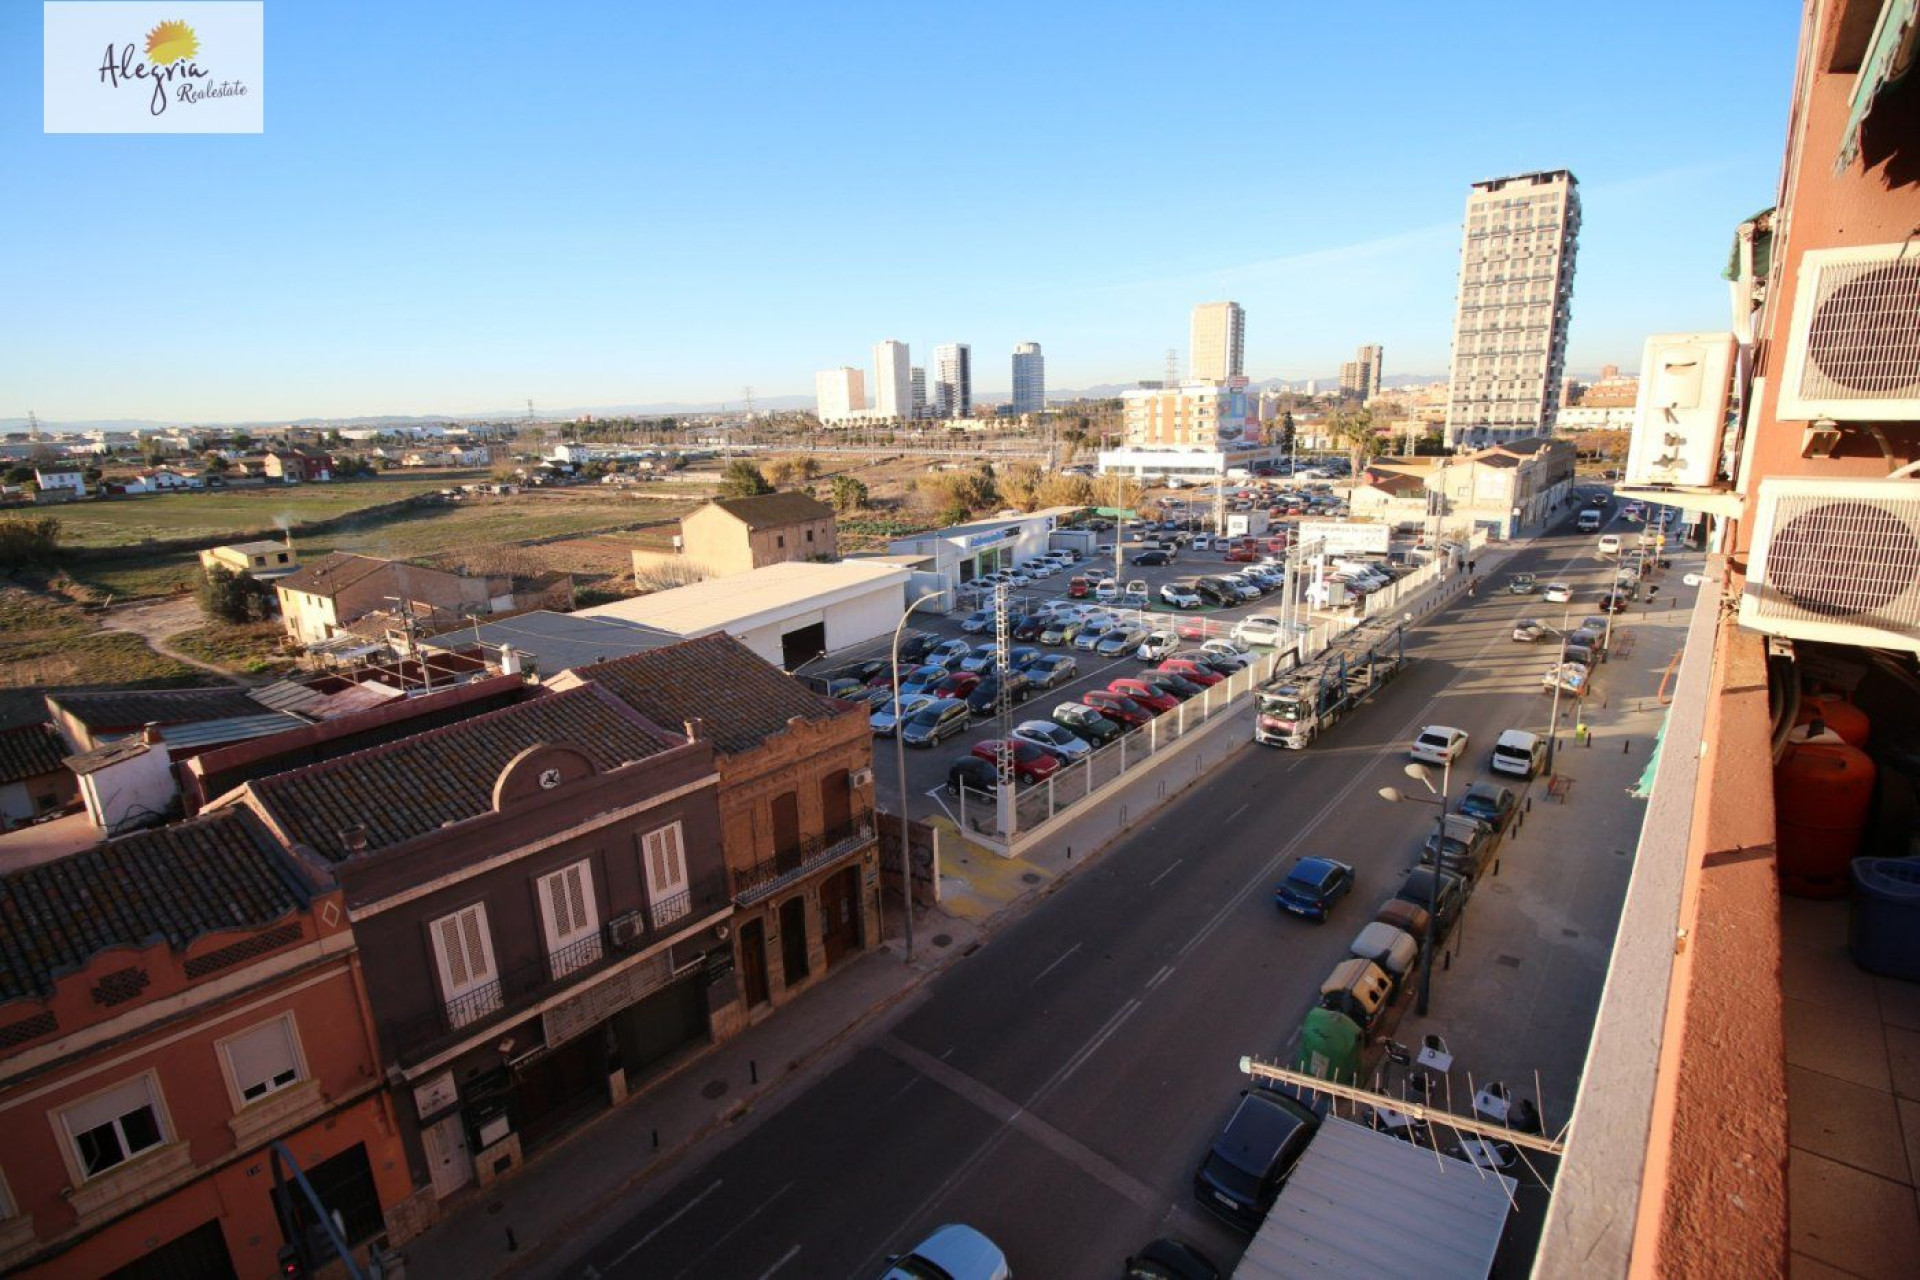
(1188, 669)
(1243, 554)
(1030, 763)
(1078, 588)
(957, 685)
(1145, 694)
(1193, 630)
(1116, 706)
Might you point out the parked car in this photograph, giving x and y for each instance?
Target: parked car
(1155, 700)
(958, 684)
(1419, 888)
(977, 621)
(1118, 707)
(1521, 584)
(1153, 558)
(1463, 845)
(1491, 803)
(1609, 544)
(986, 695)
(936, 721)
(1157, 645)
(1088, 638)
(1172, 683)
(1558, 593)
(1180, 596)
(1030, 763)
(1439, 744)
(922, 679)
(1258, 628)
(1087, 724)
(1137, 594)
(886, 718)
(974, 774)
(1056, 740)
(1217, 591)
(1229, 648)
(1079, 588)
(859, 672)
(1312, 886)
(1060, 630)
(949, 653)
(952, 1252)
(1120, 640)
(1194, 672)
(1170, 1259)
(916, 645)
(1107, 592)
(1518, 753)
(1613, 602)
(1250, 1161)
(1049, 669)
(981, 660)
(1528, 630)
(1568, 677)
(1026, 627)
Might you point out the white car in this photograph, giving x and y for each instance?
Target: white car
(1158, 646)
(1179, 596)
(1609, 544)
(1259, 628)
(1107, 592)
(1226, 647)
(1519, 753)
(1438, 744)
(1558, 593)
(1056, 740)
(953, 1250)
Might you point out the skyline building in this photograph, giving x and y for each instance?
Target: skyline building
(919, 380)
(1360, 376)
(953, 380)
(839, 393)
(1200, 413)
(1217, 342)
(892, 380)
(1515, 299)
(1029, 378)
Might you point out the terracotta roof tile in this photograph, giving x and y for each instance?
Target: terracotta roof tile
(400, 790)
(217, 872)
(774, 510)
(30, 751)
(740, 699)
(119, 708)
(331, 574)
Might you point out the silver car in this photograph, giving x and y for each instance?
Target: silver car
(1053, 739)
(886, 720)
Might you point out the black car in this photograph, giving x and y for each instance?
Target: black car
(1313, 886)
(1086, 723)
(1026, 628)
(1250, 1160)
(1419, 889)
(1217, 593)
(916, 645)
(1465, 847)
(1590, 638)
(1152, 557)
(1170, 1259)
(933, 722)
(986, 694)
(1613, 602)
(862, 671)
(974, 774)
(1179, 686)
(1490, 802)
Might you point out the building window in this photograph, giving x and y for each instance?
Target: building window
(112, 1128)
(463, 950)
(809, 535)
(780, 540)
(569, 914)
(262, 1059)
(665, 858)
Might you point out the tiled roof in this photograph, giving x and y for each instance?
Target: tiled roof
(400, 790)
(1395, 482)
(216, 872)
(1532, 444)
(30, 751)
(331, 574)
(117, 708)
(740, 699)
(774, 510)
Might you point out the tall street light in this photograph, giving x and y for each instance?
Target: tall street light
(900, 759)
(1393, 795)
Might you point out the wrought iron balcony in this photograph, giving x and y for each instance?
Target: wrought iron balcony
(751, 884)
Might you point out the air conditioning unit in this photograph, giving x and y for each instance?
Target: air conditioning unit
(625, 930)
(1836, 560)
(1853, 354)
(1685, 380)
(860, 777)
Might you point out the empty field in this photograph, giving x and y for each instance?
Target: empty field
(217, 515)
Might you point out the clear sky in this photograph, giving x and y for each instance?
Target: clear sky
(456, 208)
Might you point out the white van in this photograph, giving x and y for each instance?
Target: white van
(1519, 753)
(1609, 544)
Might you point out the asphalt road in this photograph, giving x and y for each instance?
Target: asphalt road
(1057, 1088)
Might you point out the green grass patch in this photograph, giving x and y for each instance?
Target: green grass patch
(218, 515)
(248, 649)
(51, 644)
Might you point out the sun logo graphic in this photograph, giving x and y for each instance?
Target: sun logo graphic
(169, 42)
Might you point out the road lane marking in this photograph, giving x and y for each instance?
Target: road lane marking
(1056, 964)
(1242, 809)
(1160, 977)
(1170, 866)
(1086, 1054)
(646, 1239)
(730, 1232)
(785, 1258)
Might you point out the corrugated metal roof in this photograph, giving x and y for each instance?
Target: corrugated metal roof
(1360, 1203)
(744, 600)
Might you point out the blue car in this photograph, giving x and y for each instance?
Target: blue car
(1313, 886)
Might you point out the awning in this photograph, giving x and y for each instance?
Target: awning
(1890, 56)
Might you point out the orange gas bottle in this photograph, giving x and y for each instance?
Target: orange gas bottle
(1822, 796)
(1839, 715)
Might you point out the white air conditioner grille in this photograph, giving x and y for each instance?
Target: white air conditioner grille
(1836, 561)
(1864, 342)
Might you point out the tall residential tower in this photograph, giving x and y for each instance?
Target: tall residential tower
(1516, 291)
(839, 393)
(1029, 378)
(892, 380)
(1219, 340)
(953, 380)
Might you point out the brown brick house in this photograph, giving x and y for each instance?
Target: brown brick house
(733, 535)
(328, 595)
(796, 804)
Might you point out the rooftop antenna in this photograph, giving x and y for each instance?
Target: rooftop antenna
(746, 393)
(1173, 368)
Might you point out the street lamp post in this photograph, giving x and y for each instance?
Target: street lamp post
(1393, 795)
(900, 760)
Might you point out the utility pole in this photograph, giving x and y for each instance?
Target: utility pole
(1004, 777)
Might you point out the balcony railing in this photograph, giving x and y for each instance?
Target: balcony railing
(750, 884)
(530, 980)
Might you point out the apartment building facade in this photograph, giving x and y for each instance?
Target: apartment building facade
(1194, 414)
(1515, 302)
(892, 380)
(839, 394)
(1217, 342)
(734, 535)
(953, 380)
(1029, 378)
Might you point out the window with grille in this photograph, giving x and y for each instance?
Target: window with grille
(665, 857)
(263, 1059)
(112, 1128)
(568, 910)
(463, 949)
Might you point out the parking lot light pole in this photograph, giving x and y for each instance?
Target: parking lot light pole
(1393, 795)
(900, 760)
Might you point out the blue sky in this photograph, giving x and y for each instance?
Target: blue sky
(457, 208)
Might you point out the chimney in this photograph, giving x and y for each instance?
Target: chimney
(509, 660)
(696, 729)
(150, 733)
(354, 839)
(287, 533)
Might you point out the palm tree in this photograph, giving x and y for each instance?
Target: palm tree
(1358, 434)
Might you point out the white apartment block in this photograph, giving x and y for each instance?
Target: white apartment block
(1218, 345)
(892, 380)
(839, 394)
(1029, 378)
(1196, 414)
(1516, 293)
(953, 380)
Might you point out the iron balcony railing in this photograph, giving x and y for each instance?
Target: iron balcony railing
(750, 884)
(529, 980)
